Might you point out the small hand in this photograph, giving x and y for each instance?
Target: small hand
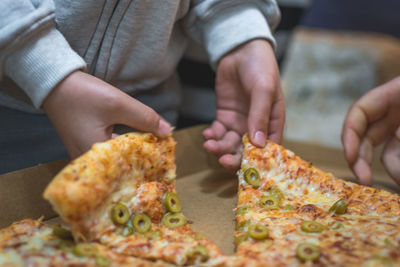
(249, 99)
(372, 120)
(84, 109)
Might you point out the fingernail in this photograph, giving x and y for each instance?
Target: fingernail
(259, 139)
(164, 127)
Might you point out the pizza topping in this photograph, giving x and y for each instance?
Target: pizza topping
(141, 222)
(269, 203)
(243, 224)
(252, 177)
(102, 261)
(288, 207)
(172, 220)
(120, 214)
(85, 250)
(307, 252)
(340, 207)
(200, 253)
(258, 231)
(62, 233)
(66, 245)
(312, 227)
(241, 238)
(388, 242)
(172, 202)
(242, 210)
(127, 231)
(337, 226)
(276, 192)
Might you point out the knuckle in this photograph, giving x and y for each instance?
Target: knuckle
(111, 101)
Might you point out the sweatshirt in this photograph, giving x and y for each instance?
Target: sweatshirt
(135, 45)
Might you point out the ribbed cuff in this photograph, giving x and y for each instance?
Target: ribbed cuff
(232, 28)
(41, 64)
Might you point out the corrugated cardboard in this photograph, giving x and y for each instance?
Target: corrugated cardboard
(207, 191)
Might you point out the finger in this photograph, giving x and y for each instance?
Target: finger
(277, 120)
(228, 144)
(379, 131)
(216, 131)
(259, 114)
(368, 109)
(362, 167)
(135, 114)
(363, 171)
(231, 162)
(233, 120)
(391, 158)
(354, 128)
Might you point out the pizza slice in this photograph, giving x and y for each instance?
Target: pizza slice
(34, 243)
(290, 213)
(122, 194)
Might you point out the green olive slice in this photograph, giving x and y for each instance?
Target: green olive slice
(312, 227)
(389, 242)
(252, 177)
(340, 207)
(276, 192)
(288, 207)
(172, 202)
(308, 252)
(258, 231)
(66, 245)
(269, 203)
(243, 224)
(241, 238)
(337, 226)
(172, 220)
(199, 254)
(141, 222)
(242, 210)
(62, 233)
(120, 214)
(85, 250)
(102, 261)
(127, 231)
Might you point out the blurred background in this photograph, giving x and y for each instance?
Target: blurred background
(329, 52)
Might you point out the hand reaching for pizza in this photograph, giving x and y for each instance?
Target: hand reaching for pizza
(372, 120)
(249, 99)
(83, 109)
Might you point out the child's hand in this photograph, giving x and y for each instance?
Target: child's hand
(83, 109)
(372, 120)
(249, 99)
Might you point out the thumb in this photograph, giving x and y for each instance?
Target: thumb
(133, 113)
(259, 115)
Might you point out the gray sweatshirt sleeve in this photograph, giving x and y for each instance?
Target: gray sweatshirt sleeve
(32, 52)
(222, 25)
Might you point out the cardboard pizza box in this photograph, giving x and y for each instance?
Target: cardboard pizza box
(207, 191)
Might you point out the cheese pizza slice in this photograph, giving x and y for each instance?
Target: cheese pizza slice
(122, 194)
(290, 213)
(34, 243)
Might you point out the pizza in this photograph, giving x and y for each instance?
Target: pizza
(121, 204)
(122, 194)
(34, 243)
(290, 213)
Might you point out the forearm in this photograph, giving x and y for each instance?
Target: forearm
(32, 52)
(221, 26)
